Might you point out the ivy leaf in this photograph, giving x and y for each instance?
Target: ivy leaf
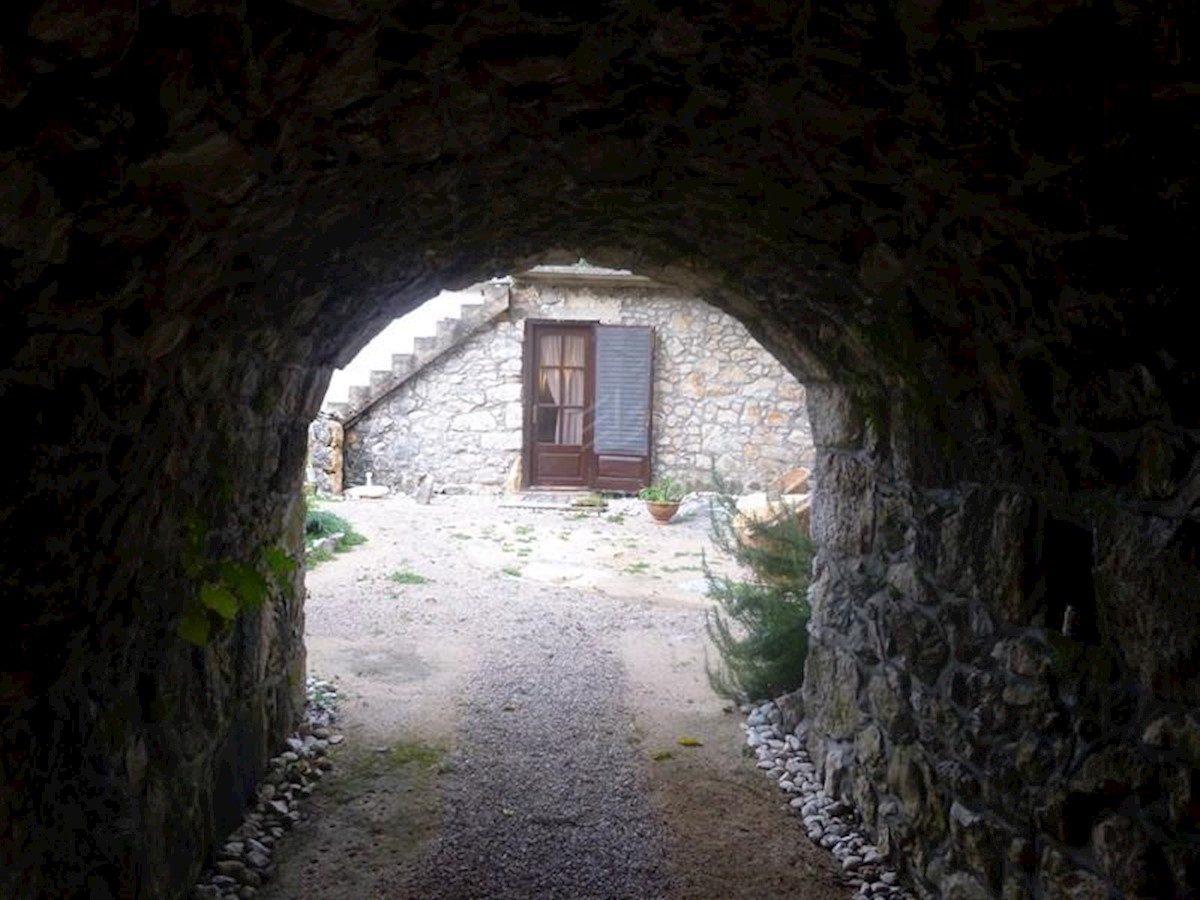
(195, 627)
(249, 586)
(219, 600)
(280, 564)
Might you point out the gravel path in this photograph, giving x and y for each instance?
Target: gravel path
(546, 798)
(511, 723)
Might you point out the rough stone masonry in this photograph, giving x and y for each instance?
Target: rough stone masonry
(968, 228)
(722, 404)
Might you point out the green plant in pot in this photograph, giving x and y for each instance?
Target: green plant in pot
(662, 498)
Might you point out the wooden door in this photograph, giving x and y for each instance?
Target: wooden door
(589, 396)
(559, 398)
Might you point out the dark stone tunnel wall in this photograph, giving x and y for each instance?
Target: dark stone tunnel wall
(970, 228)
(1003, 676)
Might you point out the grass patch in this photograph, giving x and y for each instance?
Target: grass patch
(404, 576)
(320, 523)
(316, 557)
(524, 529)
(511, 570)
(461, 536)
(689, 741)
(660, 755)
(637, 568)
(591, 501)
(616, 518)
(413, 753)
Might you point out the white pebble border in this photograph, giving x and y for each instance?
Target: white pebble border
(830, 823)
(244, 863)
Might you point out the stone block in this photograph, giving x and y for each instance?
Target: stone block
(982, 552)
(835, 416)
(969, 627)
(1113, 772)
(831, 681)
(980, 843)
(1147, 572)
(791, 708)
(794, 481)
(915, 637)
(504, 393)
(887, 698)
(911, 779)
(1025, 656)
(869, 745)
(761, 509)
(1124, 853)
(961, 886)
(910, 585)
(843, 515)
(1060, 877)
(837, 769)
(1178, 733)
(478, 422)
(1181, 786)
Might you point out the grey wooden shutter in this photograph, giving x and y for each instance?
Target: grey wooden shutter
(624, 355)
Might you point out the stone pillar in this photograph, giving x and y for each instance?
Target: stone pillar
(325, 438)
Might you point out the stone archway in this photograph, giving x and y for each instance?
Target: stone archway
(968, 229)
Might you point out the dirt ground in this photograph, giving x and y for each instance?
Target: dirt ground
(475, 643)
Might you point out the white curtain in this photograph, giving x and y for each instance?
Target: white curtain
(561, 382)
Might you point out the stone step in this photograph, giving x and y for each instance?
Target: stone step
(450, 331)
(472, 313)
(402, 364)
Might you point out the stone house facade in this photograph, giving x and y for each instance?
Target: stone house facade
(488, 405)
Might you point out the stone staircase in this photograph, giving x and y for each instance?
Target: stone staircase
(451, 332)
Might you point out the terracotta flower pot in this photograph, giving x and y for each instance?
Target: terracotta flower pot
(661, 512)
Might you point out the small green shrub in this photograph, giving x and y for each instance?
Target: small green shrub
(319, 523)
(760, 628)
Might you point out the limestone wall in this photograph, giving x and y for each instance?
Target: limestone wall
(720, 400)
